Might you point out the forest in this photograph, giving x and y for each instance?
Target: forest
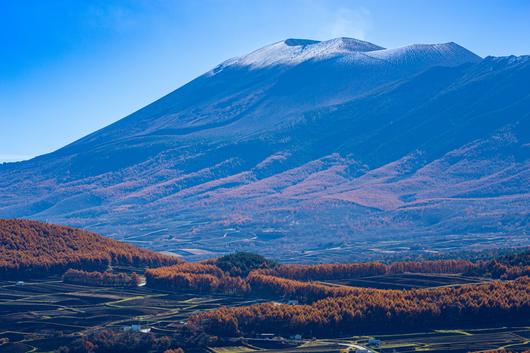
(305, 292)
(363, 269)
(302, 282)
(36, 249)
(105, 279)
(196, 277)
(208, 278)
(378, 310)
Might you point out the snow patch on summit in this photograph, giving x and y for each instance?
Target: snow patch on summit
(291, 52)
(445, 54)
(294, 51)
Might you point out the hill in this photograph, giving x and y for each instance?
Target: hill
(418, 149)
(36, 249)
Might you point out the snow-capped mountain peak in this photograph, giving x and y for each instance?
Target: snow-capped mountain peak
(293, 51)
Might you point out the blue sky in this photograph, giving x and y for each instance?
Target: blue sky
(69, 67)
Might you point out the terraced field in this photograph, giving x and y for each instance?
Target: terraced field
(43, 315)
(409, 281)
(456, 341)
(440, 341)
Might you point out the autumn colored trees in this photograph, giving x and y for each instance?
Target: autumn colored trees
(348, 310)
(107, 279)
(438, 266)
(326, 271)
(195, 277)
(305, 292)
(36, 249)
(107, 341)
(365, 269)
(302, 282)
(216, 275)
(374, 309)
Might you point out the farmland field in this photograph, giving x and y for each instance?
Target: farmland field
(42, 315)
(440, 341)
(408, 281)
(457, 341)
(45, 314)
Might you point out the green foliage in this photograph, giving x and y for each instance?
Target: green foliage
(517, 258)
(241, 263)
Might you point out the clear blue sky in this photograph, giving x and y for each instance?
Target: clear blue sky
(69, 67)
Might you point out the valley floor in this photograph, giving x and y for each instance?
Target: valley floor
(42, 315)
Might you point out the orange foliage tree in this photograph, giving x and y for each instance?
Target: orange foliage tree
(378, 310)
(36, 249)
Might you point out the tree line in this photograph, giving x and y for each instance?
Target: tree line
(305, 292)
(106, 279)
(493, 302)
(195, 277)
(207, 278)
(506, 267)
(365, 269)
(293, 281)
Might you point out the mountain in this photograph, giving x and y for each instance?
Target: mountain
(334, 150)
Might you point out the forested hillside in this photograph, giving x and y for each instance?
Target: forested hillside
(37, 249)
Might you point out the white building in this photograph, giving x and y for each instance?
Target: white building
(137, 328)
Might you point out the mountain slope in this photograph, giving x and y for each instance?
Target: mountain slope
(421, 148)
